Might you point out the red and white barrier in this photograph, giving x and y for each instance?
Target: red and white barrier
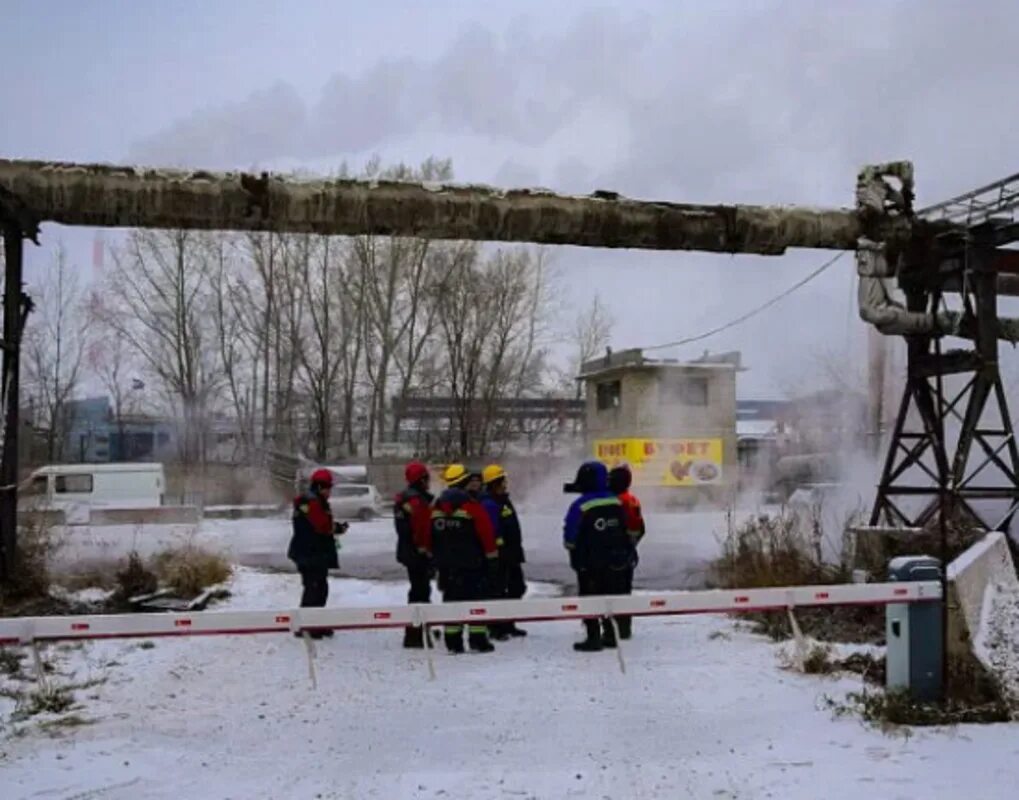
(26, 630)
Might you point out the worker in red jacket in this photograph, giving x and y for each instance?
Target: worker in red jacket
(313, 545)
(620, 480)
(466, 554)
(412, 515)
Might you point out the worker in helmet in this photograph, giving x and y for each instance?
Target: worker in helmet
(510, 584)
(412, 516)
(620, 481)
(313, 545)
(594, 533)
(466, 555)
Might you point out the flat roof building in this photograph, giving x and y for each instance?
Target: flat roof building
(673, 421)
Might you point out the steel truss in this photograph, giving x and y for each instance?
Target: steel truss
(954, 447)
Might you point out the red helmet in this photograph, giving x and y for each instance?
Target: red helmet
(322, 477)
(414, 472)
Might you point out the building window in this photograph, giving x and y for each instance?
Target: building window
(609, 394)
(74, 484)
(689, 391)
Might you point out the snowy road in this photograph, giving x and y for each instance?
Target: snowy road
(673, 554)
(703, 712)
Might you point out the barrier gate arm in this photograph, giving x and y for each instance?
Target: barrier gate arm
(26, 630)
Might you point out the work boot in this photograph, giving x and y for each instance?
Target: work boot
(515, 631)
(592, 643)
(500, 632)
(479, 643)
(413, 638)
(455, 644)
(625, 627)
(608, 634)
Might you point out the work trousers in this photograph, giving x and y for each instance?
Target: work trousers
(511, 586)
(315, 581)
(460, 585)
(602, 581)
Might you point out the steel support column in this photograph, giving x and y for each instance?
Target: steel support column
(15, 310)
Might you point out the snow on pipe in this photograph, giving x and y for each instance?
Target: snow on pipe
(125, 196)
(26, 630)
(885, 191)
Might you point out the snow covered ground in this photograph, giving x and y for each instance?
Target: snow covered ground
(704, 711)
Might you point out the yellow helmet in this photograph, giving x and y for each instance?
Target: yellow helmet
(492, 473)
(454, 474)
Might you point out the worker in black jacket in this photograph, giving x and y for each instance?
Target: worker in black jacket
(313, 544)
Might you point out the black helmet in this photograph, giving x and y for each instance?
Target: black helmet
(591, 477)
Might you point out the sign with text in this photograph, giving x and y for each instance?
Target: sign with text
(665, 462)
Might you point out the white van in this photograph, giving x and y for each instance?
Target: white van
(96, 486)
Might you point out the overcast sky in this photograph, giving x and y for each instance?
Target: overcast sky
(760, 102)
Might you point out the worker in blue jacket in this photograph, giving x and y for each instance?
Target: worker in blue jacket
(511, 584)
(600, 548)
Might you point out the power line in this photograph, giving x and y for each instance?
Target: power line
(753, 312)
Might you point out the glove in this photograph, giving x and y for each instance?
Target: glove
(340, 528)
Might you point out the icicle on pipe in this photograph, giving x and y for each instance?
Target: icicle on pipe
(115, 196)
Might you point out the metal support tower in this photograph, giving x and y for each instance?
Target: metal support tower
(953, 444)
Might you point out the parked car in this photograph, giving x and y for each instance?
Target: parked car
(355, 501)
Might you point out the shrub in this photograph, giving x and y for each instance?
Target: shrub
(772, 550)
(190, 569)
(135, 578)
(31, 576)
(785, 550)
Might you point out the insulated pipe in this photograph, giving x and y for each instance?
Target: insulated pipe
(116, 196)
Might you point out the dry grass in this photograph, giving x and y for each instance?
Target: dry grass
(972, 696)
(189, 570)
(772, 550)
(786, 550)
(10, 662)
(135, 579)
(47, 700)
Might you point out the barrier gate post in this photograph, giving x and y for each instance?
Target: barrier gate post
(913, 632)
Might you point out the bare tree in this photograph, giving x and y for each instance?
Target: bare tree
(238, 352)
(391, 279)
(55, 345)
(110, 359)
(592, 331)
(489, 319)
(331, 330)
(161, 305)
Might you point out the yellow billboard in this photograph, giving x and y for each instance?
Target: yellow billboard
(665, 462)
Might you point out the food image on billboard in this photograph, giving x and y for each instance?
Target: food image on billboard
(665, 462)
